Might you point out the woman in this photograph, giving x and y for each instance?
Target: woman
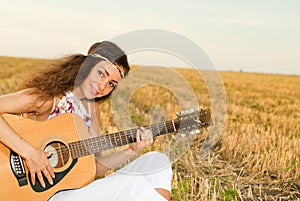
(76, 84)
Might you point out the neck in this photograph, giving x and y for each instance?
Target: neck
(78, 93)
(110, 141)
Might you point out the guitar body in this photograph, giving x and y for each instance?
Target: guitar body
(47, 135)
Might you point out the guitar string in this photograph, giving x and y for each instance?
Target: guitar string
(80, 148)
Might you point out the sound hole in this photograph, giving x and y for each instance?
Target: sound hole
(60, 154)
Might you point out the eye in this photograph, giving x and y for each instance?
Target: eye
(100, 73)
(112, 85)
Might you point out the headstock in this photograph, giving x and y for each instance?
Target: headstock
(193, 121)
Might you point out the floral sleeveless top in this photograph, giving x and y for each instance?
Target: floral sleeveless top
(69, 103)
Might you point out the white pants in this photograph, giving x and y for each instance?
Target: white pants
(136, 181)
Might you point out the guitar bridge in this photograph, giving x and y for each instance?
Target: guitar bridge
(18, 168)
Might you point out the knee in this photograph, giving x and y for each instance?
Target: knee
(158, 156)
(159, 160)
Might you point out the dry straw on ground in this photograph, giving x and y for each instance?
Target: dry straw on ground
(257, 156)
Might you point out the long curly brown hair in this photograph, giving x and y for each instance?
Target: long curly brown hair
(69, 72)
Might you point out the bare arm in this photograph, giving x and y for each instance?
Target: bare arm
(36, 160)
(106, 163)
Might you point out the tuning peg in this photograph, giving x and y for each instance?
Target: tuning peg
(177, 114)
(199, 131)
(182, 135)
(193, 132)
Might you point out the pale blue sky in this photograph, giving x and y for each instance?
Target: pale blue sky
(252, 35)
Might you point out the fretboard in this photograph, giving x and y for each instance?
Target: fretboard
(105, 142)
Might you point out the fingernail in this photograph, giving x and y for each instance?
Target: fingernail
(51, 182)
(44, 185)
(53, 176)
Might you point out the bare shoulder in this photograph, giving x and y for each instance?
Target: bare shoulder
(22, 101)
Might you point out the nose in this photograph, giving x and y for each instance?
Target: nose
(102, 83)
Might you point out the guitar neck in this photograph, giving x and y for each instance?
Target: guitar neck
(101, 143)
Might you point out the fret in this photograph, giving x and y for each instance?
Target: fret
(113, 140)
(77, 149)
(90, 146)
(110, 144)
(173, 125)
(83, 149)
(98, 144)
(94, 143)
(120, 139)
(133, 135)
(129, 136)
(169, 126)
(165, 123)
(105, 143)
(83, 145)
(110, 141)
(101, 143)
(162, 128)
(116, 140)
(72, 150)
(179, 124)
(125, 136)
(153, 129)
(158, 129)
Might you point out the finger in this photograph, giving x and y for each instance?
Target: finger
(144, 132)
(147, 134)
(49, 168)
(48, 176)
(138, 135)
(51, 171)
(48, 154)
(151, 140)
(41, 179)
(32, 175)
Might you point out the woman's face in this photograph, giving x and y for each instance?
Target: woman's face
(102, 79)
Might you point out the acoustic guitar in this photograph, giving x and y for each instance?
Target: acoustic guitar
(72, 158)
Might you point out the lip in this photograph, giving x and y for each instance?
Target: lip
(94, 91)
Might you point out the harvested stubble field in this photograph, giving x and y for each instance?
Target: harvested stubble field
(257, 156)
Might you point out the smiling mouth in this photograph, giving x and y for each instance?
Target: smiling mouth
(95, 92)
